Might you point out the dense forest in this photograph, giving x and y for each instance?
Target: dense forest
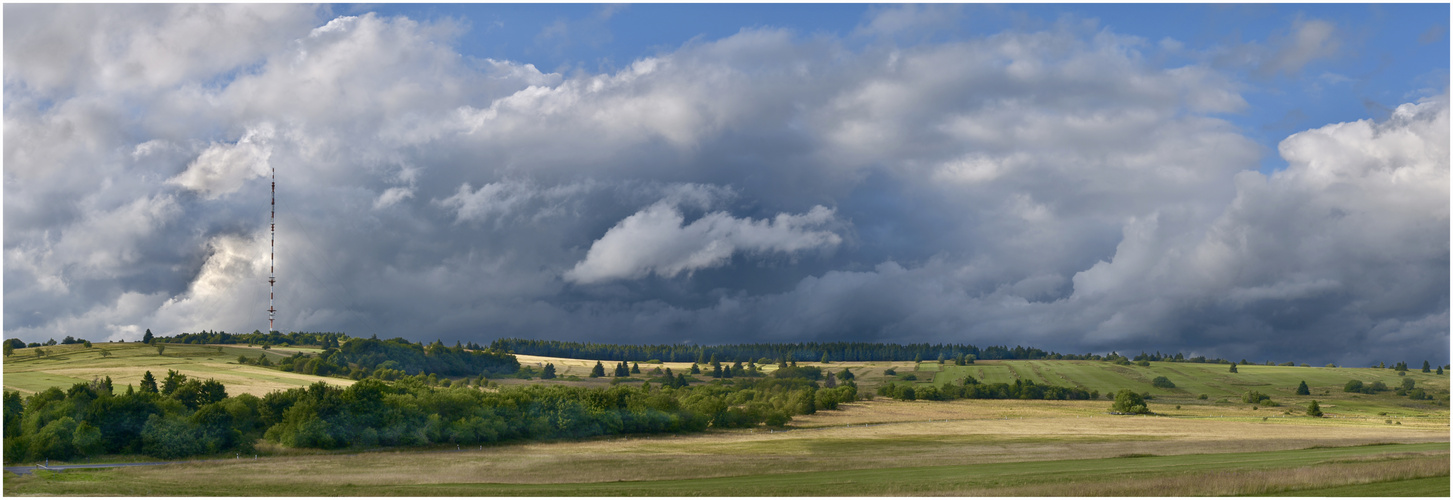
(180, 417)
(394, 358)
(809, 351)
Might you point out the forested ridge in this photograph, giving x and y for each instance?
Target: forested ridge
(803, 351)
(394, 358)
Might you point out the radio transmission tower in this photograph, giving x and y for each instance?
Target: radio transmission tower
(272, 253)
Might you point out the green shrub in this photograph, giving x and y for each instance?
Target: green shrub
(1128, 401)
(1313, 410)
(1162, 382)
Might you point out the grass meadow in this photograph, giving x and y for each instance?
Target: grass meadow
(65, 365)
(1376, 445)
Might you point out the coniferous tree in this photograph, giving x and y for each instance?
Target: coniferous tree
(846, 374)
(549, 371)
(1426, 367)
(598, 371)
(1313, 410)
(1302, 389)
(148, 383)
(173, 380)
(635, 368)
(1440, 370)
(830, 382)
(1233, 367)
(825, 359)
(681, 380)
(696, 370)
(147, 338)
(716, 371)
(622, 371)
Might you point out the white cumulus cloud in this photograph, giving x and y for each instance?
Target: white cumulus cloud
(656, 240)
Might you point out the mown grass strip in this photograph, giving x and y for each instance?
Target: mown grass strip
(1436, 486)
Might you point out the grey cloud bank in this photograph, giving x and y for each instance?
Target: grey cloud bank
(1047, 188)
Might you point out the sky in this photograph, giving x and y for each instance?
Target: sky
(1267, 182)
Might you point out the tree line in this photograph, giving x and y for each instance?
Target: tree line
(179, 417)
(971, 388)
(764, 353)
(322, 339)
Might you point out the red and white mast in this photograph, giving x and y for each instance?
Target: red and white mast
(272, 253)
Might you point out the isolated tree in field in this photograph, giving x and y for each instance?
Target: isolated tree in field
(40, 353)
(598, 371)
(549, 371)
(1352, 386)
(825, 359)
(940, 358)
(1162, 382)
(845, 374)
(716, 371)
(1233, 367)
(148, 383)
(622, 370)
(635, 368)
(1313, 410)
(1440, 370)
(1302, 389)
(695, 370)
(1128, 401)
(918, 358)
(1408, 384)
(147, 338)
(1426, 368)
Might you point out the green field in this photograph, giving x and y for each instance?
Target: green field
(66, 365)
(1215, 381)
(1412, 469)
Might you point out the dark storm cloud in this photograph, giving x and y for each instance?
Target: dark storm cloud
(1046, 188)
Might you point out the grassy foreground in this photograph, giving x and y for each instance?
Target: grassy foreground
(1376, 470)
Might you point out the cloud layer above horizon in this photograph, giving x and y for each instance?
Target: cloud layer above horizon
(1059, 188)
